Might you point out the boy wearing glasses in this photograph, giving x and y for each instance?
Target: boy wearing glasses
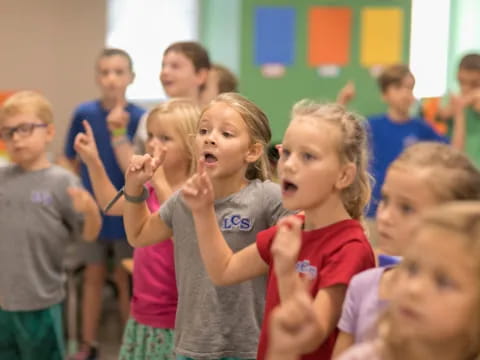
(114, 121)
(42, 208)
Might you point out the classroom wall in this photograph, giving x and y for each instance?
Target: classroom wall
(227, 30)
(49, 46)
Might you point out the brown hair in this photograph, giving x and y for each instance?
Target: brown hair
(108, 52)
(451, 174)
(462, 218)
(470, 62)
(227, 81)
(29, 102)
(352, 148)
(393, 75)
(193, 51)
(258, 129)
(186, 114)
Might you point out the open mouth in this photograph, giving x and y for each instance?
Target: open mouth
(210, 158)
(288, 187)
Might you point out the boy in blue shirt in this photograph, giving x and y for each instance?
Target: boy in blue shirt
(393, 131)
(114, 72)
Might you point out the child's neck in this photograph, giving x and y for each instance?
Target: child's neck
(442, 350)
(328, 213)
(109, 104)
(229, 186)
(398, 116)
(38, 164)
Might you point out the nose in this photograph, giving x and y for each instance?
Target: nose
(289, 164)
(384, 214)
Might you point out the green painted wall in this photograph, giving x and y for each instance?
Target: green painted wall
(464, 35)
(226, 29)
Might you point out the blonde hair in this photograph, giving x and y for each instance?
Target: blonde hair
(352, 147)
(463, 219)
(27, 102)
(258, 129)
(186, 114)
(451, 174)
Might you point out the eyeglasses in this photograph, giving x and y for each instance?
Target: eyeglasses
(23, 130)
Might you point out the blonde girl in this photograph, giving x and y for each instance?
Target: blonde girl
(434, 312)
(171, 126)
(323, 172)
(423, 176)
(214, 322)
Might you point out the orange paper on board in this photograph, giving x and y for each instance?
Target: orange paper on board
(329, 32)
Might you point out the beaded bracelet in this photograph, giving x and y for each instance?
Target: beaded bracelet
(116, 141)
(119, 132)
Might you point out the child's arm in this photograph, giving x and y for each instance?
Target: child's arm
(459, 126)
(285, 249)
(142, 228)
(83, 203)
(344, 341)
(292, 324)
(223, 266)
(117, 122)
(103, 188)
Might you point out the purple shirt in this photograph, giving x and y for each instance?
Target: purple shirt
(362, 305)
(365, 351)
(154, 300)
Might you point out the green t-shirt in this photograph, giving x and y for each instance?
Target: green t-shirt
(472, 135)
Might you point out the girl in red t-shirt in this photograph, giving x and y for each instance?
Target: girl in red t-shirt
(323, 172)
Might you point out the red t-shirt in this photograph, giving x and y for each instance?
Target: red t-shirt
(331, 255)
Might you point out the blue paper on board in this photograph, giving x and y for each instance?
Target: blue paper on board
(274, 35)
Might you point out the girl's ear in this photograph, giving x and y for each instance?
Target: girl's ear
(202, 76)
(254, 152)
(347, 176)
(50, 132)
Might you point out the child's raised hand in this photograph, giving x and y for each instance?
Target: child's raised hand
(85, 145)
(198, 190)
(293, 324)
(286, 245)
(159, 180)
(81, 199)
(139, 171)
(346, 94)
(118, 118)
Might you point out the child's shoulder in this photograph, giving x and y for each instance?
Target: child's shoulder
(60, 175)
(267, 187)
(89, 107)
(365, 278)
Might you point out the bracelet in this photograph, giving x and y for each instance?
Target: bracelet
(119, 132)
(117, 141)
(137, 199)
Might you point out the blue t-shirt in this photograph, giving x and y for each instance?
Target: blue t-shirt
(96, 116)
(387, 140)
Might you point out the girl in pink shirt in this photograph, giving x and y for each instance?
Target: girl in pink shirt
(170, 126)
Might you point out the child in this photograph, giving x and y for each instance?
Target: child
(433, 314)
(113, 74)
(220, 80)
(323, 172)
(41, 211)
(434, 308)
(423, 176)
(184, 73)
(171, 125)
(465, 108)
(392, 132)
(214, 322)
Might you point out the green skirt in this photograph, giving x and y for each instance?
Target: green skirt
(142, 342)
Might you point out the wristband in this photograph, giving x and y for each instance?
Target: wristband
(137, 199)
(116, 141)
(119, 132)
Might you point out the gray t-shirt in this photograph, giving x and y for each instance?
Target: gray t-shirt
(37, 220)
(216, 322)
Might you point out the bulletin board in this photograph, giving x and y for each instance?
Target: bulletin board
(310, 49)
